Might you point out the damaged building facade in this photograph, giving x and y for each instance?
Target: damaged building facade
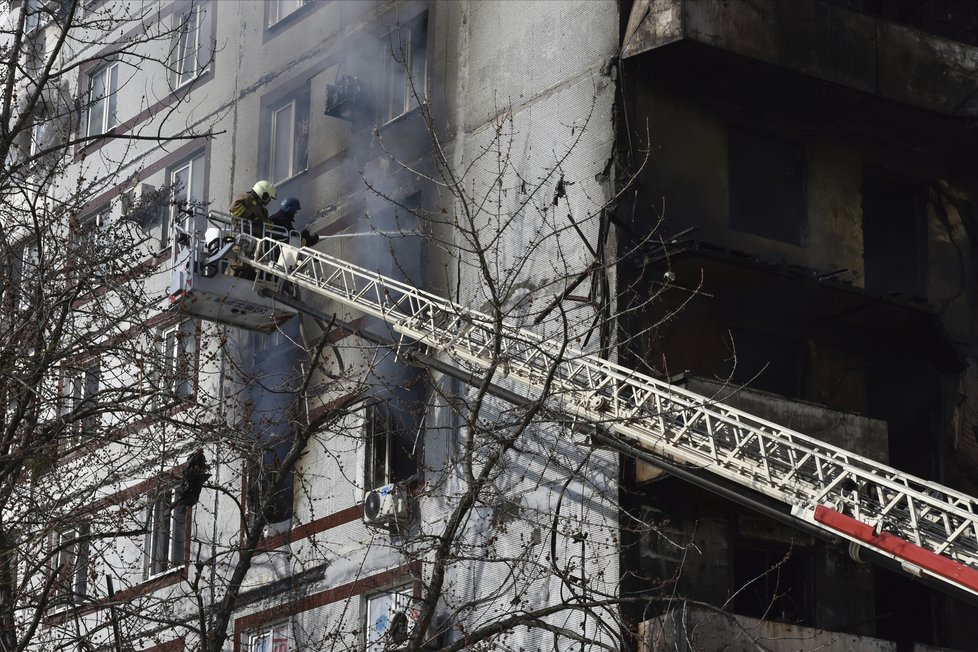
(766, 203)
(810, 167)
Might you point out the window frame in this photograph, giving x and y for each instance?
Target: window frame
(70, 547)
(402, 597)
(163, 519)
(80, 386)
(267, 633)
(108, 102)
(198, 11)
(399, 97)
(174, 377)
(297, 138)
(273, 11)
(375, 413)
(196, 163)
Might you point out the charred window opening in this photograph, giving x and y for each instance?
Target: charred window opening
(773, 583)
(273, 499)
(391, 438)
(767, 186)
(770, 363)
(894, 242)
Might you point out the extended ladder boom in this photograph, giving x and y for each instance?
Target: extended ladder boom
(930, 529)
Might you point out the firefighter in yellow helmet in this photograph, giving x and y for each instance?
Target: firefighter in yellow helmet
(249, 213)
(252, 205)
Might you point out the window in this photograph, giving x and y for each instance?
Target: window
(279, 10)
(166, 535)
(894, 235)
(21, 279)
(92, 256)
(193, 51)
(81, 394)
(270, 639)
(186, 183)
(404, 53)
(70, 565)
(773, 582)
(767, 186)
(176, 349)
(288, 136)
(388, 618)
(102, 87)
(390, 455)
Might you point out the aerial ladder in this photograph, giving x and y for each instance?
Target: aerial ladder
(928, 530)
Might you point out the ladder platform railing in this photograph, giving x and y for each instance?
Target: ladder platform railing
(812, 478)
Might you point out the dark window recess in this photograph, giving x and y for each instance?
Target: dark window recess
(770, 363)
(893, 235)
(767, 186)
(773, 583)
(391, 438)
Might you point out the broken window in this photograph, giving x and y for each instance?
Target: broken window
(767, 186)
(390, 454)
(166, 535)
(769, 362)
(894, 236)
(404, 53)
(773, 582)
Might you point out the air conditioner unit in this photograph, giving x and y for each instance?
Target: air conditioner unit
(385, 506)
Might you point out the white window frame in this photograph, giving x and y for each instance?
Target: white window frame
(195, 166)
(403, 54)
(164, 544)
(71, 552)
(175, 349)
(377, 611)
(279, 10)
(192, 57)
(81, 386)
(274, 160)
(106, 113)
(271, 638)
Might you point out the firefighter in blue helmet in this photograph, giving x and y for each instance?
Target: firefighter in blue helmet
(285, 218)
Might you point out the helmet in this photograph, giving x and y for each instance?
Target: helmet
(290, 205)
(265, 191)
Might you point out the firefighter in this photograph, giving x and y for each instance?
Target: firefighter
(250, 208)
(252, 205)
(285, 218)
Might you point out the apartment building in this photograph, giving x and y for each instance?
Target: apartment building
(464, 148)
(766, 203)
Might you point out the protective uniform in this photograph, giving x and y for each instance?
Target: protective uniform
(251, 205)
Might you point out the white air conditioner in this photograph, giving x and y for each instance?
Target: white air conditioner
(385, 506)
